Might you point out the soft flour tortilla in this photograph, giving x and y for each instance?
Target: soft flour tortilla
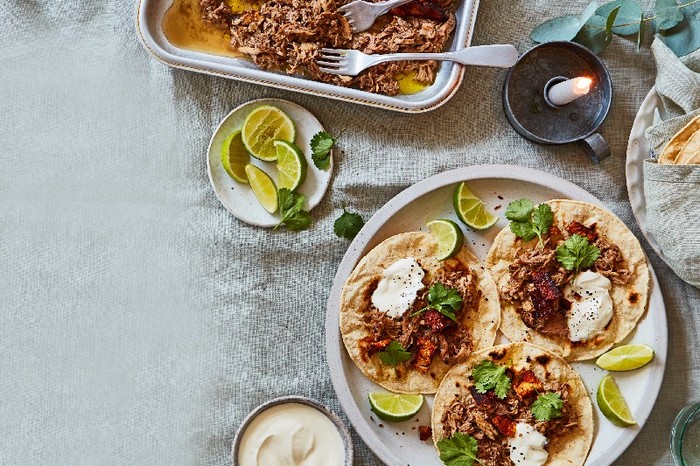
(672, 151)
(356, 300)
(629, 301)
(570, 449)
(690, 153)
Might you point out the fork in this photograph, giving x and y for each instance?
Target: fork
(352, 62)
(361, 15)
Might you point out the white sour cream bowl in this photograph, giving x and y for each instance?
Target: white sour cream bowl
(292, 430)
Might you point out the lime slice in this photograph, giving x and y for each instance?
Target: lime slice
(260, 129)
(626, 358)
(234, 157)
(612, 404)
(448, 236)
(394, 406)
(263, 187)
(291, 165)
(470, 209)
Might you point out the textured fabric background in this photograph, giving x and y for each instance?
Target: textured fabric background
(140, 321)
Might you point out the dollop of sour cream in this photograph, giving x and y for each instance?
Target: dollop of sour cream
(527, 447)
(291, 434)
(398, 287)
(591, 305)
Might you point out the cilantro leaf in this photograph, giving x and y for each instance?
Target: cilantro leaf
(547, 406)
(393, 354)
(577, 253)
(458, 450)
(348, 225)
(321, 145)
(488, 376)
(291, 206)
(447, 301)
(520, 210)
(528, 221)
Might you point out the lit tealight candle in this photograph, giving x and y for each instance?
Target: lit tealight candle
(567, 91)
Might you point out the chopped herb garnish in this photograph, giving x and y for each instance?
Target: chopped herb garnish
(447, 301)
(489, 376)
(393, 354)
(348, 225)
(321, 145)
(458, 450)
(577, 253)
(527, 221)
(291, 209)
(547, 406)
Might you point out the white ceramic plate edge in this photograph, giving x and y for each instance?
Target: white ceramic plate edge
(334, 346)
(638, 150)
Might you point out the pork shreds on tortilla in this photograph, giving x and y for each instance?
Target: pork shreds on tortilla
(287, 35)
(435, 342)
(527, 272)
(460, 407)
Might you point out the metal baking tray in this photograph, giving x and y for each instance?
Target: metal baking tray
(150, 31)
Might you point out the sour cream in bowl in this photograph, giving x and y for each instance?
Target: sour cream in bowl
(292, 431)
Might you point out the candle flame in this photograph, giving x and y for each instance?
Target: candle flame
(584, 84)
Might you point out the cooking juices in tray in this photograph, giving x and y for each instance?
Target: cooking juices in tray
(402, 30)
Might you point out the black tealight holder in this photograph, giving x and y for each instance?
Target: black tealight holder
(534, 116)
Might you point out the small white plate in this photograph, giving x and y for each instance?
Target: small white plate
(237, 197)
(397, 444)
(638, 151)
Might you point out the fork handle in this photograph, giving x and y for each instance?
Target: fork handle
(499, 56)
(383, 7)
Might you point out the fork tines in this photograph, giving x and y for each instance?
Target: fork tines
(332, 60)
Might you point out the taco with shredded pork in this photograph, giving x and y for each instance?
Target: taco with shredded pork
(513, 404)
(571, 276)
(406, 317)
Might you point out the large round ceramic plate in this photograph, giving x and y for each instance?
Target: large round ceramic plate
(238, 198)
(638, 150)
(397, 444)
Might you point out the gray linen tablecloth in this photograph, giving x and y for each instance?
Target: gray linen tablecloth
(140, 321)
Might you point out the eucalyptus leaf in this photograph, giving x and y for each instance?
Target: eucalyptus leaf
(563, 27)
(683, 38)
(668, 14)
(627, 20)
(594, 35)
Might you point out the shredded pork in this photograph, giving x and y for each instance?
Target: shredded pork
(287, 35)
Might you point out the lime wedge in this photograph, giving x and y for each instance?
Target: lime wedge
(260, 129)
(234, 157)
(291, 165)
(612, 404)
(470, 209)
(394, 406)
(448, 236)
(263, 187)
(626, 358)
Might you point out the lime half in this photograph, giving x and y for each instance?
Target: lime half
(448, 236)
(612, 404)
(470, 209)
(263, 187)
(291, 165)
(262, 127)
(395, 406)
(234, 157)
(626, 358)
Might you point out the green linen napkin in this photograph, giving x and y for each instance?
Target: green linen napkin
(672, 192)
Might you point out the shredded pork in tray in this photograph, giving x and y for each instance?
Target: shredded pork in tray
(288, 34)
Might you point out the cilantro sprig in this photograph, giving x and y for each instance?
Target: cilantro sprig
(321, 145)
(577, 253)
(348, 225)
(393, 354)
(489, 376)
(292, 212)
(458, 450)
(547, 406)
(447, 301)
(527, 221)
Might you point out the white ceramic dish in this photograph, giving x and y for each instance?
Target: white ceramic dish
(638, 150)
(238, 198)
(397, 444)
(148, 25)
